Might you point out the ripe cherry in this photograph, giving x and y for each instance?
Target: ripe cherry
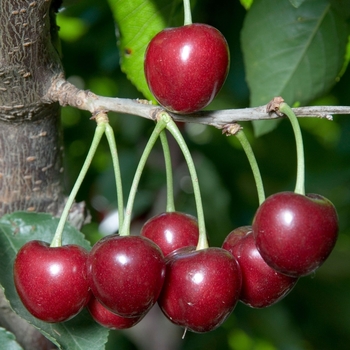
(52, 281)
(262, 286)
(108, 319)
(126, 274)
(294, 233)
(185, 67)
(201, 288)
(171, 231)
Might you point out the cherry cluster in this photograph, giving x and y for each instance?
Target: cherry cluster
(122, 277)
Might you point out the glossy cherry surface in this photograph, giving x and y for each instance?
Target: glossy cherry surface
(51, 282)
(171, 231)
(126, 274)
(262, 286)
(185, 67)
(294, 233)
(201, 288)
(108, 319)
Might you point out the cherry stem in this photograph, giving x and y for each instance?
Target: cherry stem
(174, 130)
(241, 136)
(300, 181)
(187, 11)
(125, 229)
(99, 131)
(117, 174)
(170, 205)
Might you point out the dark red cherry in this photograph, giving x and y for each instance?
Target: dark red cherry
(201, 288)
(126, 274)
(294, 233)
(185, 67)
(171, 231)
(108, 319)
(262, 286)
(51, 281)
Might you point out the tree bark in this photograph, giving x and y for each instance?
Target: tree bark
(30, 134)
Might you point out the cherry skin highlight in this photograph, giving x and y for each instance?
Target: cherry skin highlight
(126, 274)
(171, 231)
(201, 288)
(185, 67)
(294, 233)
(108, 319)
(52, 281)
(262, 286)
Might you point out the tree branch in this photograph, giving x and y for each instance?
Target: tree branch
(69, 95)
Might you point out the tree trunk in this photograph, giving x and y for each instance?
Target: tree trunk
(30, 136)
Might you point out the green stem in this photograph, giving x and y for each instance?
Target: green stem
(125, 229)
(300, 181)
(170, 205)
(118, 179)
(174, 130)
(187, 11)
(99, 131)
(241, 136)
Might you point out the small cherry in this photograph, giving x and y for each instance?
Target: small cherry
(108, 319)
(295, 233)
(201, 288)
(52, 281)
(262, 286)
(126, 274)
(171, 231)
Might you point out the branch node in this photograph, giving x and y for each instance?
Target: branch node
(231, 129)
(274, 105)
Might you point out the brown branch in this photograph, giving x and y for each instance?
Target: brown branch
(67, 94)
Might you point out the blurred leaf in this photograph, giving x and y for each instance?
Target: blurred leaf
(79, 333)
(71, 28)
(138, 22)
(240, 340)
(296, 3)
(8, 340)
(297, 54)
(247, 4)
(347, 58)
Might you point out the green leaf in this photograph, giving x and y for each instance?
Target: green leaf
(79, 333)
(296, 53)
(138, 22)
(8, 340)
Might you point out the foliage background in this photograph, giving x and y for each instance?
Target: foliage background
(316, 314)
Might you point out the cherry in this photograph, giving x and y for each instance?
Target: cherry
(262, 286)
(201, 288)
(185, 67)
(51, 281)
(108, 319)
(294, 233)
(126, 274)
(171, 230)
